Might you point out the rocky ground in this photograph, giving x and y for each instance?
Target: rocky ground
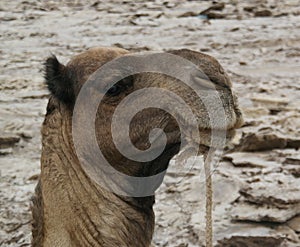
(256, 187)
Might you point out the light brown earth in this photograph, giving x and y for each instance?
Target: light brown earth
(257, 187)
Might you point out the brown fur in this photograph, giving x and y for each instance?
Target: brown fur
(69, 209)
(38, 216)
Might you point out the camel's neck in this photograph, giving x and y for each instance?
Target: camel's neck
(71, 210)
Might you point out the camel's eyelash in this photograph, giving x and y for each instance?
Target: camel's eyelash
(120, 87)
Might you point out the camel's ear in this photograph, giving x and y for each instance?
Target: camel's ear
(58, 80)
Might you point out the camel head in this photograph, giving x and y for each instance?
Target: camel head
(165, 92)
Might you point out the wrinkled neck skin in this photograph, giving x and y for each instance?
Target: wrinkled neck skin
(70, 210)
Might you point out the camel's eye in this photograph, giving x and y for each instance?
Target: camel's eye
(120, 87)
(114, 90)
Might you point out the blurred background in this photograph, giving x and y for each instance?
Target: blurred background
(257, 186)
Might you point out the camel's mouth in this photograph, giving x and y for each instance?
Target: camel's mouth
(160, 164)
(172, 138)
(195, 139)
(170, 147)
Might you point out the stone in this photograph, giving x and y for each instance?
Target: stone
(263, 13)
(293, 142)
(274, 189)
(171, 218)
(270, 102)
(245, 234)
(6, 151)
(242, 63)
(188, 14)
(8, 18)
(215, 15)
(254, 112)
(213, 11)
(252, 160)
(249, 8)
(226, 190)
(217, 7)
(241, 241)
(34, 177)
(35, 95)
(7, 141)
(294, 170)
(263, 213)
(264, 139)
(234, 29)
(26, 134)
(295, 224)
(293, 159)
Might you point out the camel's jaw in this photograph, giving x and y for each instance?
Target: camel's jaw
(170, 150)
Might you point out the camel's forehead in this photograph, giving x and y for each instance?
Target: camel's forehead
(86, 63)
(95, 57)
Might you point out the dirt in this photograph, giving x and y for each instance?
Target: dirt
(256, 187)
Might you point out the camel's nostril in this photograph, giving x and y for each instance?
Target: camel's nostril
(203, 82)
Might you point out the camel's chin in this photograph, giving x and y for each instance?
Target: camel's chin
(161, 163)
(170, 150)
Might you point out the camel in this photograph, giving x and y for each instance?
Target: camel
(69, 209)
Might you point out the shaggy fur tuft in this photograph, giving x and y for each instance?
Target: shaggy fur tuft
(58, 81)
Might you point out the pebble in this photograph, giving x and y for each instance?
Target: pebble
(295, 224)
(263, 13)
(7, 140)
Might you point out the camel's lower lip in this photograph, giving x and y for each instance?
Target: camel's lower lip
(169, 147)
(172, 146)
(172, 136)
